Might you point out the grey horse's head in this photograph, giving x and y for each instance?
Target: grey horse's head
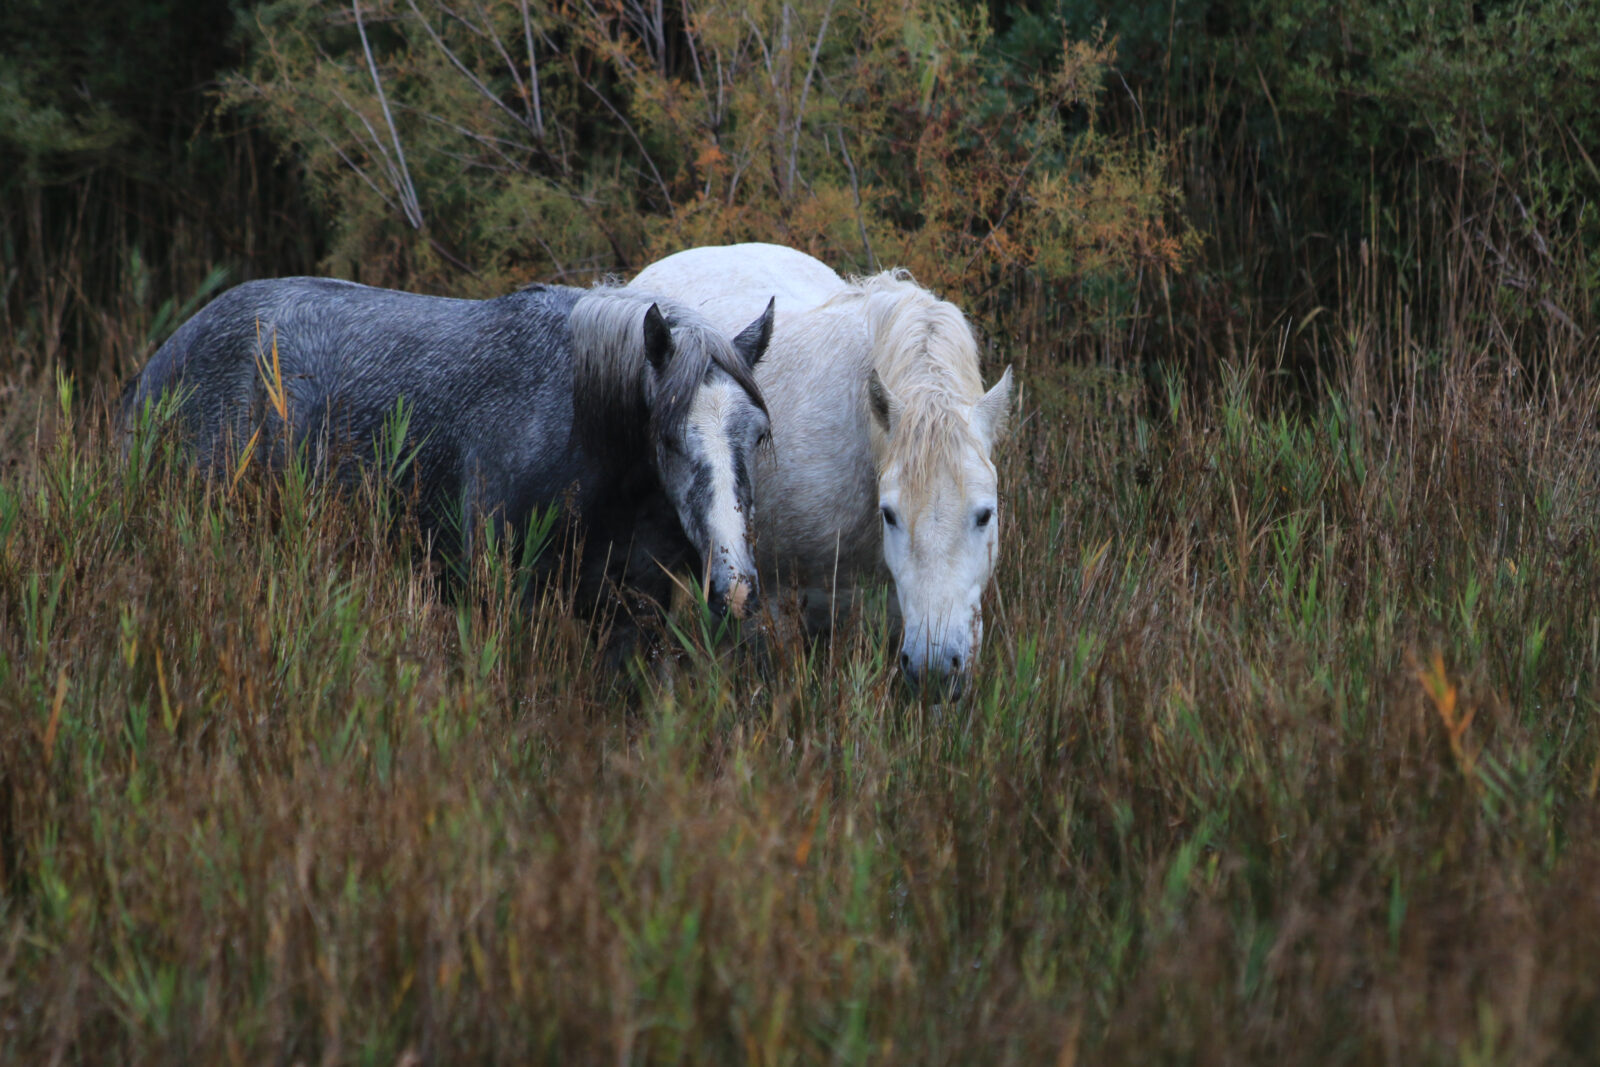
(709, 420)
(657, 384)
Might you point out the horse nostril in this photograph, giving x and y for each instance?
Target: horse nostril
(905, 663)
(955, 664)
(741, 598)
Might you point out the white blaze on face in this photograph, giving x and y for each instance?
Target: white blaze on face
(729, 563)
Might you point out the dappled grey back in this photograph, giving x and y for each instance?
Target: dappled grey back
(615, 408)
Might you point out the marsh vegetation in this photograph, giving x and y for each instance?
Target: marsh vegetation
(1283, 742)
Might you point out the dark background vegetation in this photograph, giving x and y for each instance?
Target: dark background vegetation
(1283, 747)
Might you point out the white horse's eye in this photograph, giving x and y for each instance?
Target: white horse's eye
(889, 517)
(983, 516)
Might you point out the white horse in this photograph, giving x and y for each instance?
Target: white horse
(882, 438)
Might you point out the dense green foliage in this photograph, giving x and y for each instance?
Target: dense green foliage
(1284, 746)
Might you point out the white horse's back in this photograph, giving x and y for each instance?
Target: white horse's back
(740, 273)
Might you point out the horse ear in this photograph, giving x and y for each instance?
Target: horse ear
(990, 415)
(657, 339)
(753, 339)
(885, 408)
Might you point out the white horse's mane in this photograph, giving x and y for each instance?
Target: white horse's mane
(924, 351)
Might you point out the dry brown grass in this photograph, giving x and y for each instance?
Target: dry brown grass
(1284, 750)
(1283, 747)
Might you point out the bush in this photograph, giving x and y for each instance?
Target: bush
(554, 140)
(1409, 126)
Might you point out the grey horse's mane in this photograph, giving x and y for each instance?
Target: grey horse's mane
(615, 410)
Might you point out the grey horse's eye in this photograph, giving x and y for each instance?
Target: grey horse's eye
(889, 518)
(983, 516)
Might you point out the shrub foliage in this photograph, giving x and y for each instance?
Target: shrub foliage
(517, 138)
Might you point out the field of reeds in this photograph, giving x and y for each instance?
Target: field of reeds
(1283, 746)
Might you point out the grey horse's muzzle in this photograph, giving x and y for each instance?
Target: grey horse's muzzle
(739, 597)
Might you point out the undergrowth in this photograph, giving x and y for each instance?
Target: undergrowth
(1283, 748)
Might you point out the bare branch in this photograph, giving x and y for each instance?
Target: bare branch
(359, 172)
(761, 42)
(533, 71)
(855, 191)
(805, 91)
(694, 53)
(632, 133)
(652, 28)
(487, 32)
(498, 145)
(395, 178)
(407, 191)
(487, 93)
(618, 54)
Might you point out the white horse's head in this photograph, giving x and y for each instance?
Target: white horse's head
(940, 510)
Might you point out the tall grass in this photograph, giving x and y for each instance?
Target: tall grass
(97, 269)
(1283, 748)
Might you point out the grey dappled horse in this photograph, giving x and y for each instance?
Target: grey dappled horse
(635, 414)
